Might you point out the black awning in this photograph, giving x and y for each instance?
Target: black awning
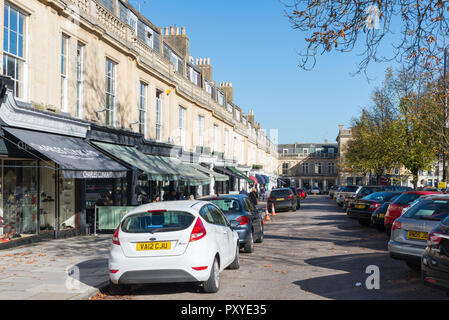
(75, 156)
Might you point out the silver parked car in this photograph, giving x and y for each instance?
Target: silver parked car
(409, 232)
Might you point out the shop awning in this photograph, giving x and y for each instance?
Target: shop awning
(241, 174)
(217, 176)
(254, 179)
(75, 156)
(154, 167)
(190, 175)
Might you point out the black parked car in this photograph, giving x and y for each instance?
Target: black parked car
(283, 199)
(362, 209)
(435, 260)
(377, 217)
(240, 208)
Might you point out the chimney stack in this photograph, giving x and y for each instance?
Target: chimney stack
(226, 87)
(178, 40)
(206, 69)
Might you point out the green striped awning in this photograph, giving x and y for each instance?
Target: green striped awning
(240, 174)
(217, 176)
(187, 173)
(154, 167)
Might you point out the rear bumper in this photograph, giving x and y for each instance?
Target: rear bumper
(359, 215)
(164, 269)
(156, 276)
(243, 235)
(403, 251)
(280, 205)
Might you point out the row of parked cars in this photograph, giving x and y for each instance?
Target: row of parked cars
(184, 241)
(416, 221)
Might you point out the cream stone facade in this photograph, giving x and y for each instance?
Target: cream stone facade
(67, 48)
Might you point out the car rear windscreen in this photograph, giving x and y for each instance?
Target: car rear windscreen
(280, 193)
(407, 198)
(228, 205)
(380, 196)
(349, 189)
(429, 210)
(160, 221)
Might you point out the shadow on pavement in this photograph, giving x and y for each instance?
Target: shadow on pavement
(395, 284)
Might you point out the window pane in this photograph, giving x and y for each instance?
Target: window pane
(6, 16)
(13, 42)
(6, 40)
(13, 19)
(20, 54)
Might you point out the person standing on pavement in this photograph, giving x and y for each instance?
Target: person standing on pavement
(253, 196)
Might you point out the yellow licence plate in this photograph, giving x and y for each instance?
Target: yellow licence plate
(417, 235)
(381, 215)
(145, 246)
(280, 199)
(359, 206)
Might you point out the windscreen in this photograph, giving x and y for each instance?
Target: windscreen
(380, 196)
(429, 210)
(228, 205)
(160, 221)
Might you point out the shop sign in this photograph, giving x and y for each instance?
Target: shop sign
(97, 174)
(75, 154)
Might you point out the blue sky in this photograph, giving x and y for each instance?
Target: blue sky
(251, 44)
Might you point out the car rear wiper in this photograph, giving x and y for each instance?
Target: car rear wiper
(165, 229)
(430, 218)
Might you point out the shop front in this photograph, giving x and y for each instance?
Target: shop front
(45, 194)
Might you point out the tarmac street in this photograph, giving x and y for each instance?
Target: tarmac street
(313, 253)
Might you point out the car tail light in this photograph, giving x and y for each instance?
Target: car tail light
(198, 231)
(270, 199)
(242, 220)
(115, 239)
(291, 197)
(374, 206)
(434, 239)
(396, 225)
(113, 271)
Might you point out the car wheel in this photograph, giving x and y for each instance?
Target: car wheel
(413, 266)
(236, 263)
(213, 283)
(260, 240)
(364, 223)
(118, 289)
(388, 230)
(249, 245)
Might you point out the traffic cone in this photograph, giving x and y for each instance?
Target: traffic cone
(267, 215)
(273, 212)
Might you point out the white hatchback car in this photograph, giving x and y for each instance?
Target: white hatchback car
(173, 241)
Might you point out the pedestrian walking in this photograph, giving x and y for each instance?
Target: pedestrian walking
(253, 196)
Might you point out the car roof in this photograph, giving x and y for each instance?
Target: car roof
(424, 192)
(182, 205)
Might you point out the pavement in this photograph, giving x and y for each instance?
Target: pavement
(62, 269)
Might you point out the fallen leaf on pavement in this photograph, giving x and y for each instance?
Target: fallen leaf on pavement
(268, 265)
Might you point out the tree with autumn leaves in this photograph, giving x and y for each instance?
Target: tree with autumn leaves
(396, 130)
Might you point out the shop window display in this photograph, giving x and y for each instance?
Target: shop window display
(47, 198)
(67, 204)
(18, 210)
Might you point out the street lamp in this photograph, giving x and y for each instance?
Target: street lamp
(445, 117)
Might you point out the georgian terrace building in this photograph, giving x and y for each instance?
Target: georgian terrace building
(308, 165)
(101, 73)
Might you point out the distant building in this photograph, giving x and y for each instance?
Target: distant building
(308, 165)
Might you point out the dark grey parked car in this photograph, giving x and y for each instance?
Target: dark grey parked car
(283, 199)
(240, 208)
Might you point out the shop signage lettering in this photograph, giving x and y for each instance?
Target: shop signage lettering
(77, 154)
(24, 146)
(97, 174)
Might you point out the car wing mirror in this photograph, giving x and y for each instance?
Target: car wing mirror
(234, 224)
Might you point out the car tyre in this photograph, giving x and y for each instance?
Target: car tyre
(212, 285)
(119, 289)
(364, 223)
(414, 266)
(260, 240)
(236, 263)
(249, 245)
